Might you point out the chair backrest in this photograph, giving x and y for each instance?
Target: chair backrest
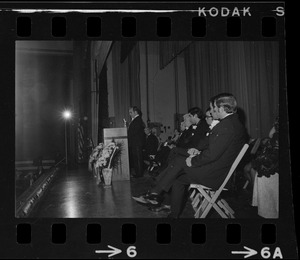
(234, 165)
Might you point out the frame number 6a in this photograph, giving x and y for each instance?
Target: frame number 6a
(265, 253)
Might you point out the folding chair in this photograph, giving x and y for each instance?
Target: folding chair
(204, 198)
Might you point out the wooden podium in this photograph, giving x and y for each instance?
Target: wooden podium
(119, 135)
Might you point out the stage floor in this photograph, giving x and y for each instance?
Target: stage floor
(75, 194)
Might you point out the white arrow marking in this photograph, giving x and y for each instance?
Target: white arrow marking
(248, 253)
(113, 252)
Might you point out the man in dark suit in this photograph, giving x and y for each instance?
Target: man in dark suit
(208, 167)
(136, 141)
(196, 131)
(151, 144)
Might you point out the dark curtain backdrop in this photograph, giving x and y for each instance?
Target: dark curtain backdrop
(168, 50)
(103, 103)
(126, 48)
(126, 82)
(249, 70)
(99, 52)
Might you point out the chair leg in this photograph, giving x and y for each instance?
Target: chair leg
(221, 213)
(224, 210)
(201, 211)
(227, 206)
(211, 195)
(206, 210)
(196, 200)
(205, 205)
(201, 208)
(193, 197)
(193, 194)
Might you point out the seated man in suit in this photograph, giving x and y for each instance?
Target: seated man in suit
(151, 145)
(172, 141)
(196, 131)
(161, 158)
(208, 167)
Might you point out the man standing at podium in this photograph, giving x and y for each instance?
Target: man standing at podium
(136, 141)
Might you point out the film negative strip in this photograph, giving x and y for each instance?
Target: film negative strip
(78, 183)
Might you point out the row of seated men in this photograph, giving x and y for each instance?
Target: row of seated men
(199, 148)
(193, 128)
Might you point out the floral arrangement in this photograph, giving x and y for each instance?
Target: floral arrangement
(105, 156)
(266, 162)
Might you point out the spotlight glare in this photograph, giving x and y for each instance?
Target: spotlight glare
(67, 114)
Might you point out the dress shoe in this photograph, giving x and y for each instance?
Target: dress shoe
(141, 199)
(154, 198)
(149, 198)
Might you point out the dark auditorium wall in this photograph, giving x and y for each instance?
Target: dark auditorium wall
(43, 83)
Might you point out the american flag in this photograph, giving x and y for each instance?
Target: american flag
(80, 137)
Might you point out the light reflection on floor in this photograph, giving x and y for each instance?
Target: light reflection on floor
(75, 194)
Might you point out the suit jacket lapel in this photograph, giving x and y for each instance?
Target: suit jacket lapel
(220, 124)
